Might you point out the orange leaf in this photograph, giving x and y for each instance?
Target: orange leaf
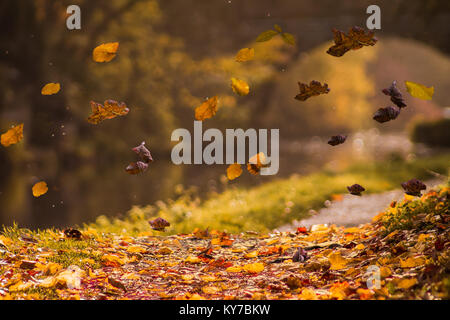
(105, 52)
(50, 88)
(39, 189)
(110, 110)
(234, 171)
(12, 136)
(207, 109)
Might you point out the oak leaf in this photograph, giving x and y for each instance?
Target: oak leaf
(109, 110)
(355, 39)
(314, 88)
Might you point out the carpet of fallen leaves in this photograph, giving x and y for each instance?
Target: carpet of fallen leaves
(323, 262)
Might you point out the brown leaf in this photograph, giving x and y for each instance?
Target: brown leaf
(395, 94)
(143, 153)
(335, 140)
(256, 162)
(386, 114)
(136, 167)
(356, 39)
(413, 187)
(356, 189)
(314, 89)
(159, 224)
(72, 233)
(110, 110)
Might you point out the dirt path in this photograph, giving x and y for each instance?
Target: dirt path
(353, 210)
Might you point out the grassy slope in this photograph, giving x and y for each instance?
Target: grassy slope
(263, 208)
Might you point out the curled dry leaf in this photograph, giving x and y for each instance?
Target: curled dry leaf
(420, 91)
(314, 88)
(413, 187)
(110, 110)
(335, 140)
(50, 88)
(234, 171)
(143, 153)
(356, 189)
(395, 94)
(12, 136)
(386, 114)
(240, 87)
(39, 189)
(72, 233)
(136, 167)
(245, 54)
(207, 109)
(159, 224)
(256, 162)
(105, 52)
(300, 255)
(356, 39)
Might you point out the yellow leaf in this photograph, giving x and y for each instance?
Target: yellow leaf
(207, 109)
(245, 54)
(240, 87)
(406, 283)
(12, 136)
(234, 269)
(308, 294)
(337, 261)
(165, 250)
(113, 259)
(136, 249)
(50, 88)
(131, 276)
(360, 247)
(196, 297)
(254, 267)
(385, 272)
(210, 290)
(252, 254)
(412, 262)
(234, 171)
(105, 52)
(192, 259)
(49, 268)
(39, 189)
(187, 277)
(418, 90)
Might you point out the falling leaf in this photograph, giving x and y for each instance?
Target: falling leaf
(234, 171)
(240, 87)
(314, 88)
(356, 189)
(418, 90)
(414, 187)
(335, 140)
(110, 110)
(72, 233)
(105, 52)
(288, 38)
(143, 153)
(159, 224)
(386, 114)
(254, 267)
(337, 261)
(356, 39)
(266, 35)
(245, 54)
(136, 167)
(207, 109)
(256, 162)
(395, 94)
(12, 136)
(39, 189)
(50, 88)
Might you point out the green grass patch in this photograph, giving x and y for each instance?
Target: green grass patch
(272, 204)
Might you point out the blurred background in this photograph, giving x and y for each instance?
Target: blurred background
(174, 54)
